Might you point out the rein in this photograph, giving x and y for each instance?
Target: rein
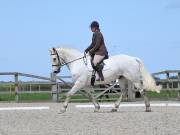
(66, 63)
(84, 57)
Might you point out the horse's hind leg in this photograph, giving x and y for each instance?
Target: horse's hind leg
(118, 102)
(139, 85)
(146, 101)
(93, 99)
(123, 87)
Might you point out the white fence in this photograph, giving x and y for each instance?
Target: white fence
(56, 82)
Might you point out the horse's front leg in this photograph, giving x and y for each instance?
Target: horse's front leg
(146, 101)
(93, 99)
(78, 85)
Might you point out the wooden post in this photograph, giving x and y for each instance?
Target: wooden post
(131, 93)
(16, 87)
(167, 76)
(39, 87)
(54, 88)
(178, 85)
(167, 85)
(10, 88)
(30, 87)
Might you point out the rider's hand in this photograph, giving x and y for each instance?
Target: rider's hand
(86, 51)
(90, 52)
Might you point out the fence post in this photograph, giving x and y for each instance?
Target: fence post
(178, 85)
(10, 88)
(54, 88)
(30, 87)
(39, 87)
(16, 87)
(131, 93)
(167, 76)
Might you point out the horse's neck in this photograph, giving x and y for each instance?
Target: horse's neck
(71, 55)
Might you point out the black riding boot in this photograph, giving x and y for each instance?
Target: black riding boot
(93, 77)
(100, 73)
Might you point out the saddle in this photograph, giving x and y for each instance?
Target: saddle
(93, 76)
(103, 65)
(98, 72)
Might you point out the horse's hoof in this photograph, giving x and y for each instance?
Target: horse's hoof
(114, 110)
(148, 110)
(96, 109)
(63, 110)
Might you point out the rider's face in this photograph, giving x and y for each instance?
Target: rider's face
(93, 29)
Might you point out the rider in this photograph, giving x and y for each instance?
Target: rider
(97, 50)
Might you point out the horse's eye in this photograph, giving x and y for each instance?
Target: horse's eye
(54, 59)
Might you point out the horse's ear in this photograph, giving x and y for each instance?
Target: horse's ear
(53, 49)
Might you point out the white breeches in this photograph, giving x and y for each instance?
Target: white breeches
(97, 59)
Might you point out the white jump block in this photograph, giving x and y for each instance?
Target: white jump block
(23, 108)
(131, 105)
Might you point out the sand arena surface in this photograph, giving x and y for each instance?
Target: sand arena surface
(83, 121)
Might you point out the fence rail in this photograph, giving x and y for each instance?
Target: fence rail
(55, 83)
(51, 80)
(168, 81)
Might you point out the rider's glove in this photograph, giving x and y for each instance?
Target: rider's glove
(86, 51)
(90, 52)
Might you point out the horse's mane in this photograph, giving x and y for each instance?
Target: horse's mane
(72, 50)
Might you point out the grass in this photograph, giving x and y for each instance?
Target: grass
(7, 97)
(34, 96)
(164, 95)
(26, 97)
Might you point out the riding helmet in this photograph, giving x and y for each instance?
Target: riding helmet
(94, 24)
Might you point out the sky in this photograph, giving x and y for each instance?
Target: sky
(149, 30)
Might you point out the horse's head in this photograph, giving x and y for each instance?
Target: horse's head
(56, 60)
(63, 56)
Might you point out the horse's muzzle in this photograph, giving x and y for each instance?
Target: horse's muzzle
(56, 72)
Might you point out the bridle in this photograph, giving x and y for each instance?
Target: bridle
(60, 64)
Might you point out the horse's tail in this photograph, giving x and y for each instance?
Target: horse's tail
(148, 81)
